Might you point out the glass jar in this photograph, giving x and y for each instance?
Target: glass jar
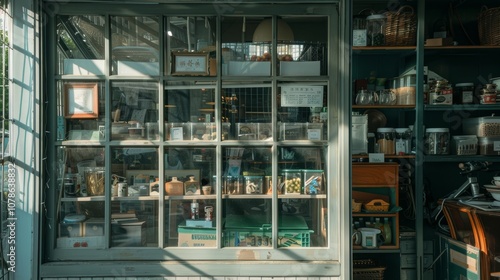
(375, 29)
(403, 140)
(437, 141)
(463, 93)
(385, 140)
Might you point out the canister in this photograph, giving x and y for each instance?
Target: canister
(437, 141)
(375, 29)
(385, 140)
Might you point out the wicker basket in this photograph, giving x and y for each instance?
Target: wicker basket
(489, 26)
(377, 205)
(356, 206)
(401, 27)
(367, 270)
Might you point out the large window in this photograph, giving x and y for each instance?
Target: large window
(179, 134)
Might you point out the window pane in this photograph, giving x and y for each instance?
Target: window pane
(80, 41)
(134, 197)
(246, 46)
(248, 110)
(135, 45)
(81, 182)
(190, 112)
(190, 197)
(302, 112)
(135, 110)
(80, 111)
(302, 193)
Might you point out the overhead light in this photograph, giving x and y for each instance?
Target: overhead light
(263, 32)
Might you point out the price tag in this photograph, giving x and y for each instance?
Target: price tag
(376, 157)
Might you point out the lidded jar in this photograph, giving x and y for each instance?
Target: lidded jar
(437, 141)
(375, 29)
(385, 140)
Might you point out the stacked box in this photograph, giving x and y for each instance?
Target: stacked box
(93, 227)
(196, 237)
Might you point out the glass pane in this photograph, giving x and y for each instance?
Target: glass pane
(80, 45)
(80, 189)
(302, 112)
(192, 39)
(190, 197)
(302, 193)
(135, 110)
(248, 111)
(135, 45)
(134, 197)
(247, 186)
(189, 112)
(302, 46)
(80, 111)
(246, 46)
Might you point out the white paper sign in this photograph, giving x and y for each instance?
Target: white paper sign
(376, 157)
(301, 96)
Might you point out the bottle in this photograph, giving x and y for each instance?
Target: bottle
(195, 210)
(387, 231)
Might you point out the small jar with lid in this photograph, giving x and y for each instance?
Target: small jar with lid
(375, 29)
(385, 140)
(463, 93)
(437, 141)
(403, 140)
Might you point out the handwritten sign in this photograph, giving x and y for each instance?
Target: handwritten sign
(302, 96)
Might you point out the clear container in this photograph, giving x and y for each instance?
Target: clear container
(253, 185)
(464, 145)
(489, 146)
(292, 181)
(386, 140)
(437, 141)
(375, 29)
(403, 141)
(313, 181)
(482, 126)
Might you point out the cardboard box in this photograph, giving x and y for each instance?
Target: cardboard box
(70, 229)
(196, 237)
(91, 242)
(132, 68)
(249, 68)
(83, 67)
(300, 68)
(439, 42)
(128, 234)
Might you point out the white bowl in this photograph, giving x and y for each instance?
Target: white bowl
(495, 192)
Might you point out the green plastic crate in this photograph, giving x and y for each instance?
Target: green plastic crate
(256, 231)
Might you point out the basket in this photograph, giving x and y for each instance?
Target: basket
(489, 26)
(377, 205)
(356, 206)
(367, 270)
(401, 27)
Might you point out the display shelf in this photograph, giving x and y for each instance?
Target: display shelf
(188, 197)
(83, 199)
(383, 106)
(455, 158)
(463, 107)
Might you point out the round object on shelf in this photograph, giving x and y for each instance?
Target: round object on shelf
(376, 119)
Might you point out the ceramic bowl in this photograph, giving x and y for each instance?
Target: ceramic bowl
(495, 192)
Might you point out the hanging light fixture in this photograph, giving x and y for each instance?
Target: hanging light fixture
(263, 32)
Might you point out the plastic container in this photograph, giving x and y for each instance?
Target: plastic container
(253, 185)
(464, 145)
(489, 146)
(359, 130)
(386, 140)
(437, 141)
(463, 93)
(375, 29)
(292, 181)
(313, 181)
(482, 126)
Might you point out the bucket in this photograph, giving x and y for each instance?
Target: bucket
(94, 178)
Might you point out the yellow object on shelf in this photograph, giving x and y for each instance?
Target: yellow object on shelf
(378, 205)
